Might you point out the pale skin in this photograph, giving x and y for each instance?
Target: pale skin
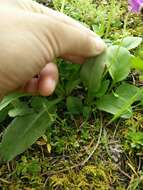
(31, 37)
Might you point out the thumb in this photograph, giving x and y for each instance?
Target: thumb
(78, 42)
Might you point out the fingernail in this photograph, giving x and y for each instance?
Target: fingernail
(47, 87)
(100, 45)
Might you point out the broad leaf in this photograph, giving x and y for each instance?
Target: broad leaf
(91, 73)
(4, 113)
(131, 42)
(120, 102)
(86, 112)
(20, 111)
(23, 132)
(137, 63)
(11, 97)
(71, 85)
(19, 108)
(37, 103)
(103, 88)
(112, 104)
(74, 105)
(118, 62)
(127, 91)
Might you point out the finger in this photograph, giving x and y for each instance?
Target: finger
(64, 37)
(61, 39)
(46, 82)
(29, 5)
(48, 79)
(74, 41)
(31, 87)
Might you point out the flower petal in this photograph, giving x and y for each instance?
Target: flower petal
(135, 5)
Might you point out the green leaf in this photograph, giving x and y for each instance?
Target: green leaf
(137, 63)
(74, 105)
(11, 97)
(71, 85)
(118, 62)
(37, 103)
(86, 112)
(119, 103)
(4, 113)
(112, 104)
(20, 111)
(136, 138)
(103, 88)
(127, 91)
(23, 132)
(91, 73)
(131, 42)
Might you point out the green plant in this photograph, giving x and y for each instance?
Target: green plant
(30, 122)
(115, 97)
(103, 78)
(94, 141)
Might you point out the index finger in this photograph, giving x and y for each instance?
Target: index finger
(29, 5)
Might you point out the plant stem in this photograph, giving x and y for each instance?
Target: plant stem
(125, 24)
(110, 17)
(63, 5)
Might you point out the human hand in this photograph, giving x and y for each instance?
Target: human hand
(31, 37)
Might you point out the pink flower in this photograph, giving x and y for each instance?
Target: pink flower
(135, 5)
